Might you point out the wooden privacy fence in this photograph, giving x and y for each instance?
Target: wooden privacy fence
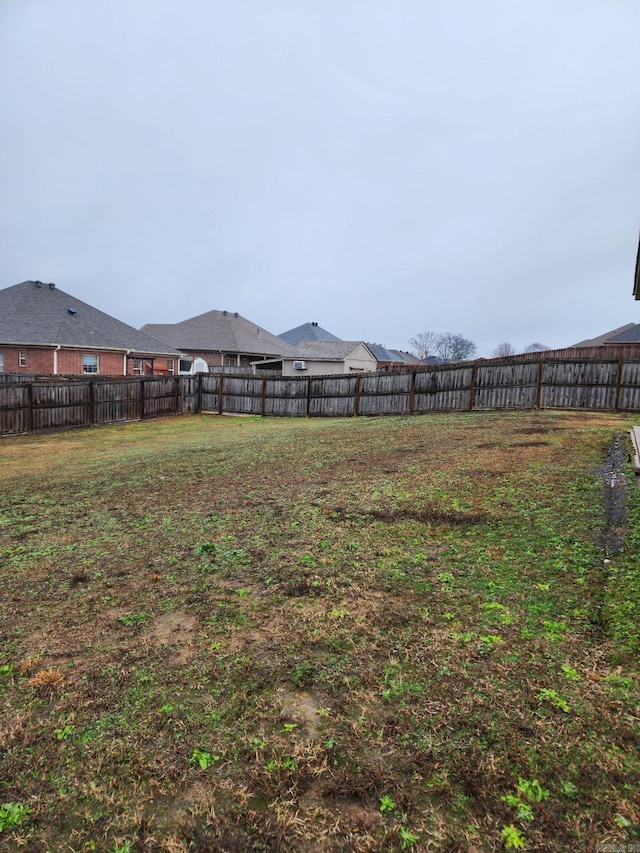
(51, 403)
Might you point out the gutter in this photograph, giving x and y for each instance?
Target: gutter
(82, 347)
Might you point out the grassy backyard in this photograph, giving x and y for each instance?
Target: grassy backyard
(377, 634)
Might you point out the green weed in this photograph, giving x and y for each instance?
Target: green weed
(12, 814)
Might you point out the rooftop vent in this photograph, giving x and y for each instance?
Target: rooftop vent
(224, 313)
(52, 286)
(236, 315)
(72, 311)
(314, 324)
(38, 283)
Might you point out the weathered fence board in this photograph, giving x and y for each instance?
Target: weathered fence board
(332, 396)
(187, 394)
(385, 394)
(579, 385)
(443, 389)
(242, 395)
(15, 409)
(208, 392)
(116, 401)
(285, 396)
(506, 386)
(36, 404)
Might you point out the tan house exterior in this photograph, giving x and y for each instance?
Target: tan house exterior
(320, 358)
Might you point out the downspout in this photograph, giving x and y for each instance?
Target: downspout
(124, 372)
(55, 360)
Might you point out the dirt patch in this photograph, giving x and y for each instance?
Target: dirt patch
(174, 629)
(301, 708)
(428, 515)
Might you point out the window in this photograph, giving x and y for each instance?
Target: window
(171, 366)
(22, 358)
(89, 363)
(137, 365)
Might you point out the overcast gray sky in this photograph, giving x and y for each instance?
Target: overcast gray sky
(382, 168)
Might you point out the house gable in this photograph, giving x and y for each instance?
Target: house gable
(219, 333)
(35, 313)
(307, 332)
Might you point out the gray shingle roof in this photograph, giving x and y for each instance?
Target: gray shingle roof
(406, 357)
(605, 337)
(381, 353)
(325, 350)
(34, 312)
(628, 336)
(219, 331)
(307, 332)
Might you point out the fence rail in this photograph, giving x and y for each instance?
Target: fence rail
(38, 404)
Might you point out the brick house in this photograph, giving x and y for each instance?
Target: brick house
(221, 338)
(45, 330)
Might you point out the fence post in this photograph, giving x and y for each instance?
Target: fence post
(356, 398)
(176, 395)
(30, 407)
(91, 413)
(141, 400)
(472, 387)
(616, 403)
(199, 393)
(263, 402)
(412, 393)
(539, 388)
(308, 396)
(220, 393)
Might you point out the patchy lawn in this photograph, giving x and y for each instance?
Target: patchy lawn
(297, 635)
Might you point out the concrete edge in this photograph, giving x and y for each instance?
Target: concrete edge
(635, 440)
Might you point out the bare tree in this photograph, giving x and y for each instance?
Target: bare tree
(455, 347)
(503, 350)
(424, 344)
(536, 347)
(446, 345)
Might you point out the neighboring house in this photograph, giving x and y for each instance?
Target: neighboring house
(318, 358)
(45, 330)
(408, 358)
(432, 359)
(307, 332)
(603, 339)
(629, 335)
(386, 358)
(221, 338)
